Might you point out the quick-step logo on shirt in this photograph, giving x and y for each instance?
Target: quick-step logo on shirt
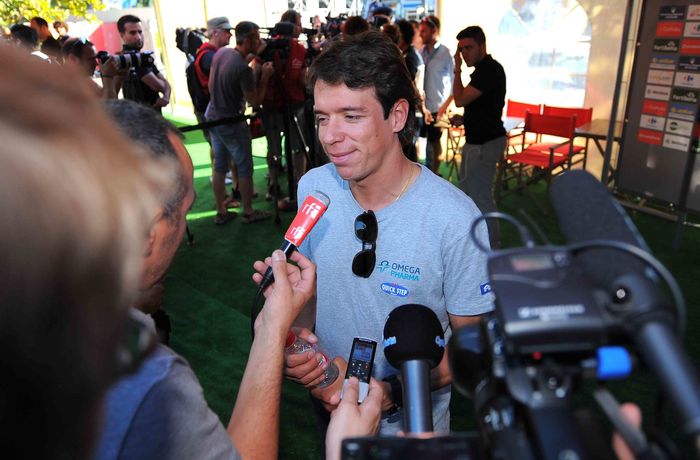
(394, 289)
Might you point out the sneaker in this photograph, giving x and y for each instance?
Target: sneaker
(222, 219)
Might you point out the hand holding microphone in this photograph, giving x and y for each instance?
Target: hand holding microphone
(308, 215)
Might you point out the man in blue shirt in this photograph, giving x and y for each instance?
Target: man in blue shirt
(439, 67)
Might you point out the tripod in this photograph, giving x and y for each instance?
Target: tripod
(290, 114)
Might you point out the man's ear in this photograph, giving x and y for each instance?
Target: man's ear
(399, 115)
(152, 235)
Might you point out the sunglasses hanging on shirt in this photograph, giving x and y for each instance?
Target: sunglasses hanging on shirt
(366, 230)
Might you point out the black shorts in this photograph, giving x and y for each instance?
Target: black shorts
(430, 131)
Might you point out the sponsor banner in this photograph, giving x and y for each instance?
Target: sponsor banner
(672, 12)
(669, 29)
(660, 77)
(663, 61)
(693, 13)
(692, 29)
(660, 93)
(682, 111)
(649, 137)
(657, 108)
(652, 122)
(666, 45)
(691, 63)
(672, 141)
(690, 46)
(687, 96)
(687, 80)
(682, 128)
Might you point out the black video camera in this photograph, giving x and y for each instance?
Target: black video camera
(278, 45)
(523, 362)
(556, 323)
(128, 59)
(188, 40)
(331, 27)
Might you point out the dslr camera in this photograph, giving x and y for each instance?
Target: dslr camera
(128, 59)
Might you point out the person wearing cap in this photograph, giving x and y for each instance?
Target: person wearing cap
(219, 34)
(232, 84)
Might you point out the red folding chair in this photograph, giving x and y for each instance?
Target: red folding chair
(518, 109)
(583, 115)
(541, 160)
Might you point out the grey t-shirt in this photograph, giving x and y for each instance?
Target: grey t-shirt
(230, 77)
(424, 256)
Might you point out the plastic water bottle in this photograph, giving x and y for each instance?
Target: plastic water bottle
(296, 345)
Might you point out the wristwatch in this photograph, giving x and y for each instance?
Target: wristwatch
(396, 393)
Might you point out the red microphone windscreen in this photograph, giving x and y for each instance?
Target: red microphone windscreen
(309, 213)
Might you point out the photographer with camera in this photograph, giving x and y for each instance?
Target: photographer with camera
(79, 52)
(138, 77)
(283, 104)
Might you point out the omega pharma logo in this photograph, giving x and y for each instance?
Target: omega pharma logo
(400, 271)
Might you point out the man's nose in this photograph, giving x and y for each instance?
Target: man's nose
(331, 132)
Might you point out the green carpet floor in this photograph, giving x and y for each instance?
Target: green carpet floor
(209, 294)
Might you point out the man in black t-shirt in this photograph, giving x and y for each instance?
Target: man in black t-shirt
(49, 45)
(483, 99)
(141, 83)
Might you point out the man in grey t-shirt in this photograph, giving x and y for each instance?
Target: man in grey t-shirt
(422, 251)
(231, 84)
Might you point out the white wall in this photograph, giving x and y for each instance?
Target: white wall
(607, 24)
(606, 19)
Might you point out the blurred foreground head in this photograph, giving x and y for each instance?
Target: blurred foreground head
(76, 201)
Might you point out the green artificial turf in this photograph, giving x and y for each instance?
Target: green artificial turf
(209, 294)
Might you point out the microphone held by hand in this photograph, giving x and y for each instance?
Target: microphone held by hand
(308, 215)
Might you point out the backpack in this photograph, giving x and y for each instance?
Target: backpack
(200, 99)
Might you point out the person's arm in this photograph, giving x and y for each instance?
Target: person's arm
(443, 108)
(158, 83)
(440, 375)
(463, 96)
(257, 94)
(256, 413)
(111, 80)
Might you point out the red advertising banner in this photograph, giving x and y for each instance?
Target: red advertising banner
(669, 29)
(658, 108)
(690, 46)
(650, 137)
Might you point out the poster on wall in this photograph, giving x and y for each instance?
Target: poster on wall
(664, 97)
